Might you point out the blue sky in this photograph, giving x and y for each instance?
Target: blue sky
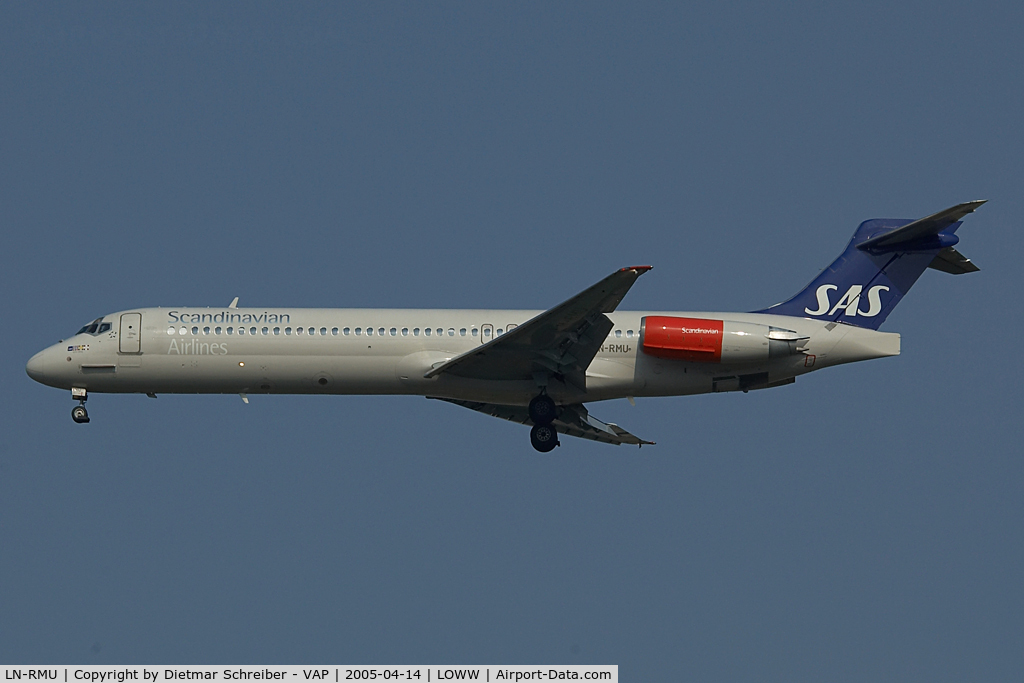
(864, 523)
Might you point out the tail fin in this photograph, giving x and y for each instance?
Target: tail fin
(880, 264)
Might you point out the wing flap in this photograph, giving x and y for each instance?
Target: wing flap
(573, 420)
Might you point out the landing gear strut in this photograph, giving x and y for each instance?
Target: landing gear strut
(79, 414)
(543, 412)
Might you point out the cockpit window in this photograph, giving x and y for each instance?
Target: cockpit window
(93, 328)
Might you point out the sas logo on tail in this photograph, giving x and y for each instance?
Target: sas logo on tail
(849, 301)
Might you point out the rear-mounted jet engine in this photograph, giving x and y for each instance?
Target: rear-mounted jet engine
(698, 340)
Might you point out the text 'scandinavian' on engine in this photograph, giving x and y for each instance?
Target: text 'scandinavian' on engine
(538, 368)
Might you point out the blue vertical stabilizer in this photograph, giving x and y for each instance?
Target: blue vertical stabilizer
(879, 266)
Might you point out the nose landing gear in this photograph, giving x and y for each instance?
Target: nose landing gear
(79, 414)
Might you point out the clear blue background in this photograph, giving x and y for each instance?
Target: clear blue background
(862, 524)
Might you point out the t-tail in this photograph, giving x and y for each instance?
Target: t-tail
(879, 266)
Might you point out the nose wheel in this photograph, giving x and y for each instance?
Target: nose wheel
(79, 414)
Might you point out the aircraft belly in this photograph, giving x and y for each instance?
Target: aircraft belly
(255, 374)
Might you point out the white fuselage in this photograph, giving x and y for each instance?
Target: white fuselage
(388, 351)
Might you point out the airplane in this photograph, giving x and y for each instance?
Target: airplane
(538, 368)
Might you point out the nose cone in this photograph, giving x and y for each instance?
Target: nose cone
(36, 367)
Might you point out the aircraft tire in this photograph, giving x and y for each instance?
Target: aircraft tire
(543, 410)
(79, 414)
(544, 438)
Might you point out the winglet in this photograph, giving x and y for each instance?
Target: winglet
(641, 269)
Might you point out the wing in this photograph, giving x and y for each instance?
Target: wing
(560, 341)
(573, 420)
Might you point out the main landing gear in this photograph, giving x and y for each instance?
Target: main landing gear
(79, 414)
(543, 412)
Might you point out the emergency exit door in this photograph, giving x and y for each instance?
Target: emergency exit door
(130, 337)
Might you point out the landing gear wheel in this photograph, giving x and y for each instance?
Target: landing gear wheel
(543, 410)
(79, 414)
(544, 438)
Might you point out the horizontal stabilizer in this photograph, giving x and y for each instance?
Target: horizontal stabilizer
(921, 229)
(951, 261)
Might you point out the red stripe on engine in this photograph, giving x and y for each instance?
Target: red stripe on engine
(691, 339)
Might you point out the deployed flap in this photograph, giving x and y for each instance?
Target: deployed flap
(562, 341)
(951, 261)
(573, 420)
(922, 228)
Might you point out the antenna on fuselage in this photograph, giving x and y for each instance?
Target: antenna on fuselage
(234, 303)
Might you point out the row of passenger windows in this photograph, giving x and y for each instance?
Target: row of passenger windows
(346, 331)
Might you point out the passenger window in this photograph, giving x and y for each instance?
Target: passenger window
(499, 331)
(334, 331)
(405, 331)
(287, 330)
(359, 331)
(241, 330)
(462, 332)
(369, 331)
(252, 330)
(426, 331)
(312, 330)
(264, 331)
(415, 331)
(231, 330)
(277, 331)
(182, 330)
(299, 330)
(487, 332)
(323, 331)
(170, 330)
(440, 332)
(618, 333)
(629, 333)
(473, 331)
(451, 331)
(345, 331)
(206, 330)
(381, 331)
(216, 330)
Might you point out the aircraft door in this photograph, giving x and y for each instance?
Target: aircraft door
(130, 336)
(486, 333)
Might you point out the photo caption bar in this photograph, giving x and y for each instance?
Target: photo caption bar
(321, 673)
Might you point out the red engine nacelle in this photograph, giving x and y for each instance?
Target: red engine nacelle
(691, 339)
(699, 340)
